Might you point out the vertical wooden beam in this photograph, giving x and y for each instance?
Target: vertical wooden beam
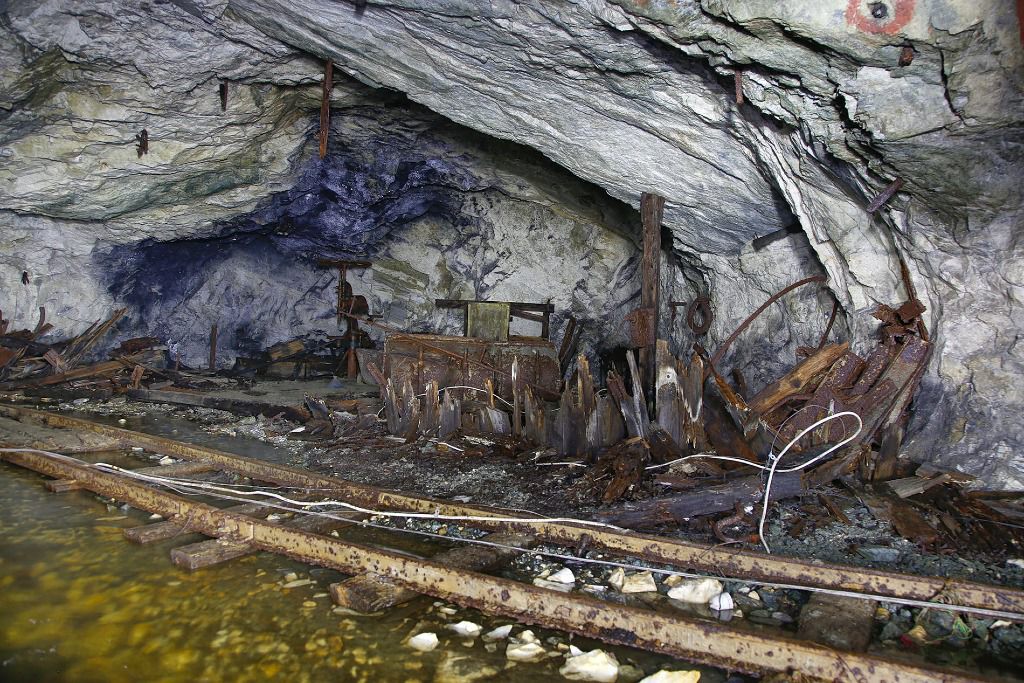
(652, 208)
(325, 106)
(213, 347)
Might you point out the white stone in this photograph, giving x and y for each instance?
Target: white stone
(563, 575)
(696, 591)
(526, 636)
(721, 602)
(639, 583)
(499, 633)
(673, 677)
(553, 585)
(466, 629)
(596, 665)
(524, 652)
(424, 642)
(617, 578)
(1016, 563)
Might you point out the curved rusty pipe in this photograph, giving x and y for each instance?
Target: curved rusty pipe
(715, 359)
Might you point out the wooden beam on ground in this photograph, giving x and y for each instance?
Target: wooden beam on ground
(704, 501)
(170, 528)
(740, 564)
(231, 405)
(675, 635)
(373, 592)
(63, 485)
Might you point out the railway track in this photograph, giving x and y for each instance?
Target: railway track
(242, 529)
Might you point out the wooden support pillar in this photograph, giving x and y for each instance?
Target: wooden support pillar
(325, 106)
(213, 348)
(652, 208)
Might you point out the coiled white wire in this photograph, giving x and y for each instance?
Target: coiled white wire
(776, 459)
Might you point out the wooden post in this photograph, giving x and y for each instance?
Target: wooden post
(213, 348)
(652, 209)
(325, 106)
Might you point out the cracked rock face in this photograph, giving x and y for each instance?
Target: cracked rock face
(626, 95)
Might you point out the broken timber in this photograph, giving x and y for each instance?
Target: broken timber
(676, 636)
(732, 563)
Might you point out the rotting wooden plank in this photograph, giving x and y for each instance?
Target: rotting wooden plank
(171, 528)
(674, 635)
(63, 485)
(231, 405)
(219, 550)
(736, 563)
(373, 592)
(705, 501)
(797, 380)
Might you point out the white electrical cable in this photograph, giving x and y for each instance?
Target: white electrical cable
(778, 458)
(775, 459)
(184, 486)
(106, 467)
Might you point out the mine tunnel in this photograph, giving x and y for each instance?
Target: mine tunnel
(601, 340)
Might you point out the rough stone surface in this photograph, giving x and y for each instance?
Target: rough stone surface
(630, 96)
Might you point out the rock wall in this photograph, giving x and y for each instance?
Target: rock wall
(625, 95)
(443, 212)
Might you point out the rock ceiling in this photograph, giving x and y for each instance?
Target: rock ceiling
(629, 95)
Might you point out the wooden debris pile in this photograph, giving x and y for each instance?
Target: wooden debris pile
(299, 358)
(624, 435)
(27, 362)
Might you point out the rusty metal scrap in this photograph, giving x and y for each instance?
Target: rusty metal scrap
(641, 327)
(906, 55)
(885, 195)
(720, 353)
(701, 306)
(325, 106)
(737, 77)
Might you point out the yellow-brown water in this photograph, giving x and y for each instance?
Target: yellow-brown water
(79, 603)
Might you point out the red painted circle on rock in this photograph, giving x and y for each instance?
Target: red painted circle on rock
(897, 13)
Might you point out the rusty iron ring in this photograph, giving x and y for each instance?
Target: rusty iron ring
(701, 305)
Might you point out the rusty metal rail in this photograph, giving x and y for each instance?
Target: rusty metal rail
(736, 564)
(711, 643)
